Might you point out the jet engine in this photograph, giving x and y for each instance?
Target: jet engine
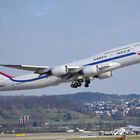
(105, 75)
(59, 70)
(90, 71)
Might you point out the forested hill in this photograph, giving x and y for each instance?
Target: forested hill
(96, 96)
(62, 101)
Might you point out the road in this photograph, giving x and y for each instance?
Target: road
(44, 136)
(54, 136)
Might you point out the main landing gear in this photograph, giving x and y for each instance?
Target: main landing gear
(78, 83)
(87, 83)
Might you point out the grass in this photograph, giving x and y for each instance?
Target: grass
(8, 121)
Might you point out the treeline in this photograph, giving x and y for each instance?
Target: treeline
(70, 101)
(33, 102)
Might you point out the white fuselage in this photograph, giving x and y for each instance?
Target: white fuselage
(115, 58)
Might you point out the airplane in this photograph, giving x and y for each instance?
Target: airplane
(78, 72)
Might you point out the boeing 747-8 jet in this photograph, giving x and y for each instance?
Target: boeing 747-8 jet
(78, 73)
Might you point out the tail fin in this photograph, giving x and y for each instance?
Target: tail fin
(5, 76)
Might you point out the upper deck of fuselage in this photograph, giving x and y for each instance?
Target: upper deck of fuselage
(116, 52)
(122, 48)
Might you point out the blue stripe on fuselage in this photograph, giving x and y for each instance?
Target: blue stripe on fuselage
(110, 59)
(30, 80)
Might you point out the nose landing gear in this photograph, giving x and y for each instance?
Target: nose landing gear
(87, 82)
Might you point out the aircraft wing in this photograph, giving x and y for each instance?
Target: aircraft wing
(66, 71)
(27, 67)
(70, 69)
(41, 69)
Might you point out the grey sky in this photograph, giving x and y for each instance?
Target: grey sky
(52, 32)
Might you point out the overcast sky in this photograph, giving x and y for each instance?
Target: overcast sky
(52, 32)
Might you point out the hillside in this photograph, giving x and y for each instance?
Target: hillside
(96, 96)
(58, 101)
(56, 109)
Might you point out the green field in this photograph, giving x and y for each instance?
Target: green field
(107, 138)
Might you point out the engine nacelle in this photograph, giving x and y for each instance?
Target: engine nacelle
(59, 70)
(105, 75)
(90, 71)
